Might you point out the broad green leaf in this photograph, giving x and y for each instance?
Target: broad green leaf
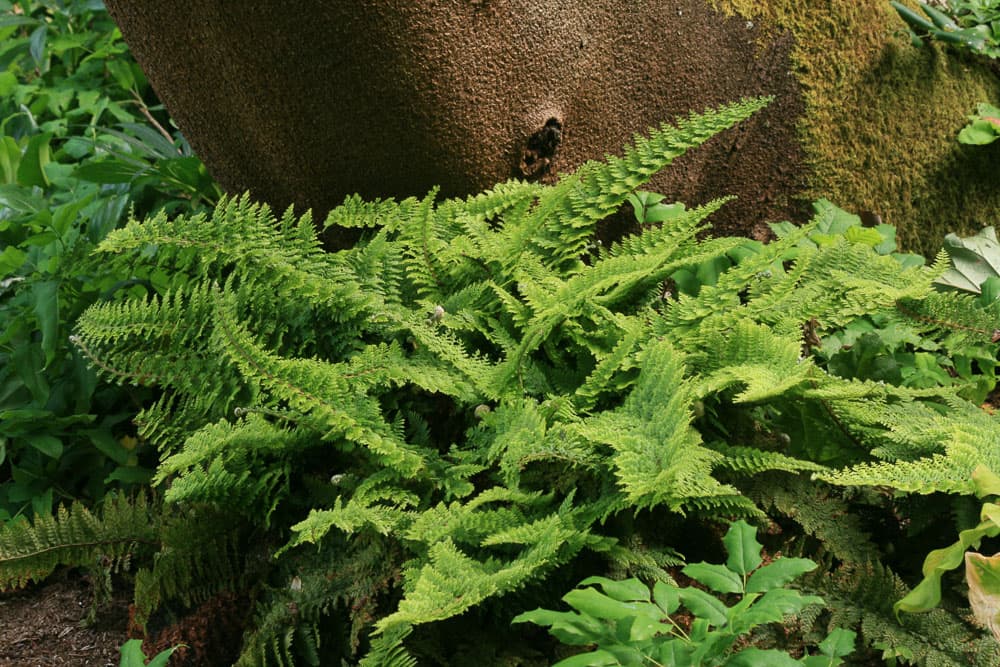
(596, 604)
(864, 235)
(37, 154)
(107, 444)
(130, 475)
(36, 45)
(675, 653)
(777, 573)
(7, 83)
(987, 483)
(772, 607)
(663, 212)
(20, 199)
(648, 623)
(973, 260)
(713, 646)
(49, 445)
(132, 655)
(568, 627)
(755, 657)
(11, 259)
(163, 657)
(979, 133)
(626, 590)
(598, 658)
(839, 643)
(717, 577)
(743, 548)
(704, 606)
(108, 170)
(982, 573)
(927, 594)
(666, 597)
(45, 295)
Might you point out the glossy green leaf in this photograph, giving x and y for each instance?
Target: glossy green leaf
(704, 605)
(838, 644)
(717, 577)
(49, 445)
(742, 547)
(37, 45)
(109, 170)
(31, 171)
(598, 658)
(45, 296)
(777, 573)
(590, 601)
(666, 597)
(11, 259)
(626, 590)
(132, 655)
(568, 627)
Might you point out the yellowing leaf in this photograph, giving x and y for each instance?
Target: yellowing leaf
(983, 576)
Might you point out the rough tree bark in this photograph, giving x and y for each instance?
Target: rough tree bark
(304, 102)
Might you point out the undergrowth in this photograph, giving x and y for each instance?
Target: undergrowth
(391, 451)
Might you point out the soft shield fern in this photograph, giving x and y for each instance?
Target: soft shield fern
(470, 401)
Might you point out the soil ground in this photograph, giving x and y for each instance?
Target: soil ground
(42, 626)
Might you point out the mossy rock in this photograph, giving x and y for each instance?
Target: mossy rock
(303, 102)
(881, 118)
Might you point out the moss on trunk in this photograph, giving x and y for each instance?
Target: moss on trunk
(881, 120)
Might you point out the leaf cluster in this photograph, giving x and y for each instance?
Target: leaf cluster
(630, 627)
(82, 143)
(474, 401)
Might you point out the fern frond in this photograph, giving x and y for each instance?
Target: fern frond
(568, 212)
(76, 537)
(969, 437)
(658, 457)
(861, 596)
(318, 389)
(387, 649)
(356, 213)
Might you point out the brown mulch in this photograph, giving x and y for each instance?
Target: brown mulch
(43, 625)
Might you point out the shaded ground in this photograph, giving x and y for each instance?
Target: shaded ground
(42, 626)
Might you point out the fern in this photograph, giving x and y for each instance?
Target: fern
(76, 537)
(471, 402)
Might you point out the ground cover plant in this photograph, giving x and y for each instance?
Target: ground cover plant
(83, 143)
(390, 452)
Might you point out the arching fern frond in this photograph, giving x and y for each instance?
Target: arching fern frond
(76, 537)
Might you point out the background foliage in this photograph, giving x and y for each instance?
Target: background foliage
(83, 143)
(390, 452)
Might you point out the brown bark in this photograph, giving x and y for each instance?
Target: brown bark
(305, 102)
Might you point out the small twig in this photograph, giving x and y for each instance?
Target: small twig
(144, 110)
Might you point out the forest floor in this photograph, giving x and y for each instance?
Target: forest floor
(44, 625)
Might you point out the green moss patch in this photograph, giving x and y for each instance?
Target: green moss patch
(882, 118)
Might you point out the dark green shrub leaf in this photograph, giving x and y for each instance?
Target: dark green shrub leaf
(743, 548)
(717, 577)
(596, 604)
(704, 605)
(49, 445)
(627, 590)
(777, 573)
(755, 657)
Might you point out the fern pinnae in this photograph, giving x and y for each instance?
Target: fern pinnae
(599, 189)
(356, 213)
(339, 411)
(76, 537)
